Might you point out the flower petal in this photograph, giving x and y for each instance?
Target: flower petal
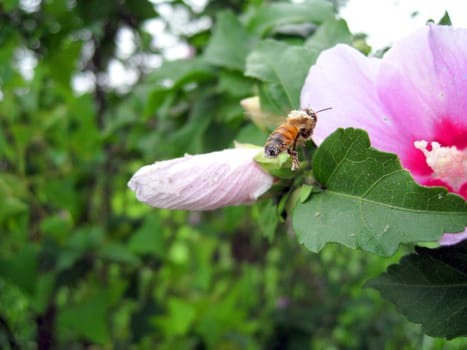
(423, 86)
(202, 182)
(406, 74)
(432, 64)
(425, 75)
(453, 238)
(345, 79)
(449, 46)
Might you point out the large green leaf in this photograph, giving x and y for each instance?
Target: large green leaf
(62, 63)
(149, 238)
(330, 33)
(273, 15)
(370, 202)
(181, 314)
(22, 269)
(234, 84)
(12, 190)
(430, 287)
(87, 319)
(283, 68)
(189, 137)
(9, 5)
(174, 74)
(171, 76)
(229, 44)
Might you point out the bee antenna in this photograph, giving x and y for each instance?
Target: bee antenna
(324, 109)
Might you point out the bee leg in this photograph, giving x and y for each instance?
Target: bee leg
(305, 136)
(292, 151)
(294, 157)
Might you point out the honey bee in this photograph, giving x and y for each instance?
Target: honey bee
(297, 129)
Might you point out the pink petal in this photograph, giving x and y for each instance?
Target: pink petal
(449, 47)
(345, 79)
(202, 182)
(422, 83)
(406, 74)
(453, 238)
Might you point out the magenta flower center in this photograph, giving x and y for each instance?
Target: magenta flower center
(446, 156)
(448, 163)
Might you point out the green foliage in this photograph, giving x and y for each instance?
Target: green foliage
(445, 20)
(84, 265)
(270, 63)
(370, 202)
(272, 17)
(230, 43)
(333, 31)
(430, 287)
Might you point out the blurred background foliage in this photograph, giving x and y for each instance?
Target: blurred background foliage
(92, 90)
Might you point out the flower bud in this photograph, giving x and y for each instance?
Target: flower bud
(202, 182)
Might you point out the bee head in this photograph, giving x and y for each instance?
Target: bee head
(271, 151)
(311, 113)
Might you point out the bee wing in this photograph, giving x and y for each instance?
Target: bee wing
(262, 119)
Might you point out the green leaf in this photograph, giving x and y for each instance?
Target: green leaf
(283, 68)
(445, 20)
(272, 15)
(268, 219)
(85, 139)
(11, 206)
(22, 269)
(229, 44)
(118, 253)
(62, 62)
(174, 74)
(57, 225)
(330, 33)
(86, 319)
(370, 202)
(430, 287)
(251, 134)
(274, 99)
(305, 192)
(44, 291)
(181, 315)
(149, 239)
(234, 84)
(9, 5)
(279, 166)
(61, 193)
(189, 137)
(81, 242)
(143, 10)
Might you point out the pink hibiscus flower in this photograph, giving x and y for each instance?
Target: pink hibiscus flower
(202, 182)
(412, 102)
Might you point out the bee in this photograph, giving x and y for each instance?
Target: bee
(297, 129)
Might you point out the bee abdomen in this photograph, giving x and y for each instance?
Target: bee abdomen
(284, 134)
(280, 139)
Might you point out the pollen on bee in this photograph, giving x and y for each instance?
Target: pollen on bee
(297, 114)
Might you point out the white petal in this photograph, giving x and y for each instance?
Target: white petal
(202, 182)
